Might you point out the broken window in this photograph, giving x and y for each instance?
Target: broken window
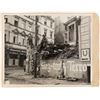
(16, 23)
(71, 33)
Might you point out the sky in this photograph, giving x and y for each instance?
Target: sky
(62, 18)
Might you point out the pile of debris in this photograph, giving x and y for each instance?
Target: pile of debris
(59, 51)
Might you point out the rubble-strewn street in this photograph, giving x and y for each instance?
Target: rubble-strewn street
(18, 76)
(47, 49)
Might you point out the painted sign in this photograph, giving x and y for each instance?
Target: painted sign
(85, 54)
(72, 68)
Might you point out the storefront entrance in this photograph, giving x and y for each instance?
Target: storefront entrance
(21, 60)
(88, 74)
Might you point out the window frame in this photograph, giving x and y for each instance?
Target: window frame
(51, 34)
(71, 34)
(15, 24)
(6, 20)
(45, 31)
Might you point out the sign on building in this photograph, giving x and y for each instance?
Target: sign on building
(85, 38)
(85, 54)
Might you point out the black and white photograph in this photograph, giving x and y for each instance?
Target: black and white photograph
(47, 49)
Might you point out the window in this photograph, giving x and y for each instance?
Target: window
(8, 36)
(23, 24)
(38, 29)
(5, 37)
(16, 23)
(51, 24)
(51, 34)
(66, 42)
(29, 16)
(37, 18)
(45, 32)
(71, 33)
(29, 27)
(14, 39)
(66, 35)
(45, 22)
(6, 20)
(23, 41)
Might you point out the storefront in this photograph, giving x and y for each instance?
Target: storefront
(79, 33)
(14, 57)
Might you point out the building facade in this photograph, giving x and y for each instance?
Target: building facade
(71, 34)
(78, 33)
(17, 30)
(46, 27)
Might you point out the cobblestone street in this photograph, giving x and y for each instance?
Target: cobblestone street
(18, 76)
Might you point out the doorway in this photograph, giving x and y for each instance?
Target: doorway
(21, 60)
(88, 74)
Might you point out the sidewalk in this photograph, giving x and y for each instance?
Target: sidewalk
(18, 76)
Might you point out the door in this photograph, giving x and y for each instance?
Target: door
(21, 61)
(88, 74)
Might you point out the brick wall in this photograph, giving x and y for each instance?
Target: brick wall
(72, 68)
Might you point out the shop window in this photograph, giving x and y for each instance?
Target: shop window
(13, 61)
(16, 23)
(13, 56)
(65, 42)
(71, 33)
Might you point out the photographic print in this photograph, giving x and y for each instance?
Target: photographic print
(47, 49)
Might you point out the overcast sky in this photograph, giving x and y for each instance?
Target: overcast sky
(62, 18)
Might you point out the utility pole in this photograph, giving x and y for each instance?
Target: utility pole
(36, 37)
